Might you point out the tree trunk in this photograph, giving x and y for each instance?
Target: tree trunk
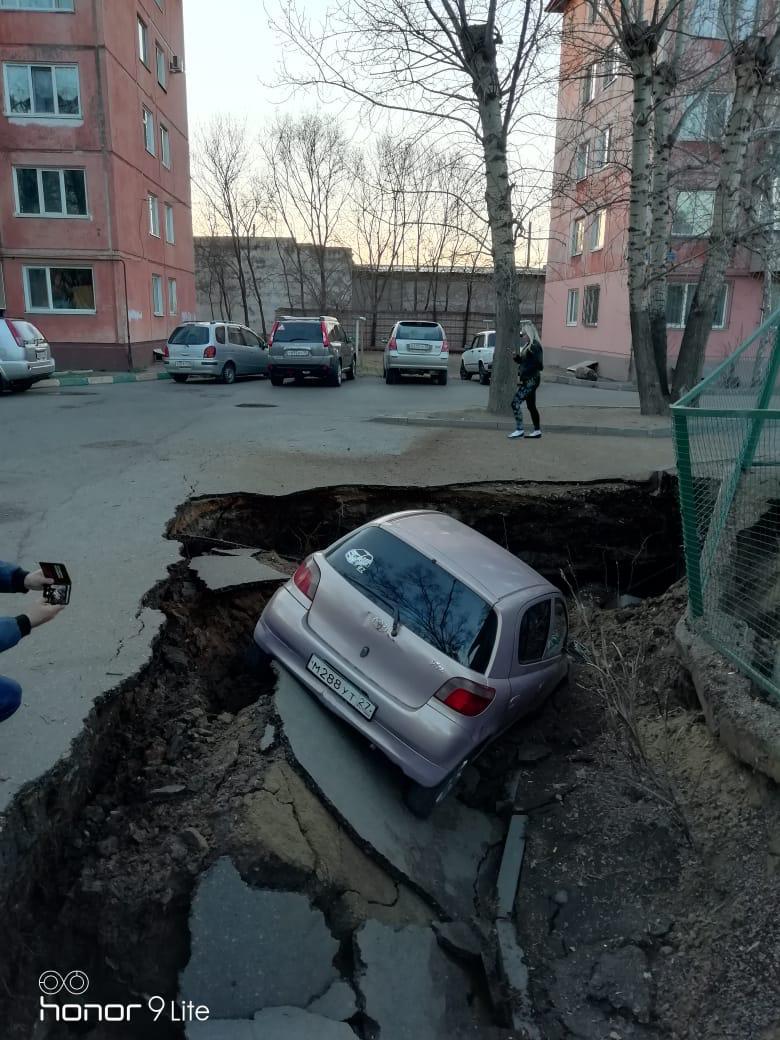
(752, 61)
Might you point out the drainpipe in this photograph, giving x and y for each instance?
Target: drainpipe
(121, 261)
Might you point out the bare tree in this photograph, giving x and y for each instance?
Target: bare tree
(442, 61)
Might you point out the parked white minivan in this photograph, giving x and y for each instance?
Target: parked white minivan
(25, 355)
(417, 348)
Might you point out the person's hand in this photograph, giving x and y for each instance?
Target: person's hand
(35, 581)
(40, 613)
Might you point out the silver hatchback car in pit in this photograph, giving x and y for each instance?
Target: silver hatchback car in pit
(425, 636)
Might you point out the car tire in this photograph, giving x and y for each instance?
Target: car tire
(277, 380)
(179, 378)
(335, 378)
(484, 375)
(441, 378)
(463, 373)
(352, 370)
(18, 386)
(228, 376)
(421, 801)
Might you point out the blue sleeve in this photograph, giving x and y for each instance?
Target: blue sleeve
(10, 633)
(11, 577)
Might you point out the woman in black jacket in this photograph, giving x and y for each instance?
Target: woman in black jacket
(530, 361)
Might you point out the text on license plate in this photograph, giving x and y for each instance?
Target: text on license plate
(40, 354)
(420, 348)
(339, 685)
(297, 353)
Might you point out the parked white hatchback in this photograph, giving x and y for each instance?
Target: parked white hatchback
(25, 355)
(417, 348)
(478, 359)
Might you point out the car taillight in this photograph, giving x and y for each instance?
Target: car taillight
(307, 578)
(15, 332)
(325, 340)
(273, 333)
(466, 697)
(210, 352)
(392, 345)
(165, 351)
(445, 347)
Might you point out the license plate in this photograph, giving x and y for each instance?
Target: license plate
(420, 348)
(180, 364)
(340, 686)
(40, 354)
(297, 353)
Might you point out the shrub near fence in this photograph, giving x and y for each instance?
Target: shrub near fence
(727, 441)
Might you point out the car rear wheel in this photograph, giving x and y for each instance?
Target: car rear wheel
(228, 374)
(484, 375)
(463, 373)
(334, 378)
(352, 370)
(18, 386)
(441, 378)
(180, 378)
(391, 376)
(421, 801)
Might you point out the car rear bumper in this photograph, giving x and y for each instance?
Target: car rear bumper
(417, 362)
(309, 366)
(28, 371)
(283, 632)
(193, 366)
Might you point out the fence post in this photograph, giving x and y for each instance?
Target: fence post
(688, 512)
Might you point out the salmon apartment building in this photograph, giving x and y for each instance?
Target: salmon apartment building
(95, 208)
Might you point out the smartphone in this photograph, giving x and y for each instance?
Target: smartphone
(58, 593)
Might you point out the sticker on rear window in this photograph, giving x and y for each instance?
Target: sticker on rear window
(360, 559)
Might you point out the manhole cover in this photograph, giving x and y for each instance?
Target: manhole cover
(250, 404)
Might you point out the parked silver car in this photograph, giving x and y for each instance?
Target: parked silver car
(25, 355)
(319, 347)
(416, 348)
(219, 349)
(425, 636)
(478, 359)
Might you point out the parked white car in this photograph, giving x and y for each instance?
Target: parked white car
(478, 359)
(25, 355)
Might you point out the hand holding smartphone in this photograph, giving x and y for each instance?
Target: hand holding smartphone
(58, 593)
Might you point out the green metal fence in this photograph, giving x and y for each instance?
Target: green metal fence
(727, 440)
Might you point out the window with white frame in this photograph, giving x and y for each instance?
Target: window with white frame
(143, 41)
(169, 229)
(721, 19)
(148, 121)
(42, 90)
(596, 230)
(602, 148)
(36, 5)
(588, 87)
(154, 216)
(165, 146)
(704, 117)
(577, 237)
(609, 68)
(572, 306)
(162, 66)
(590, 305)
(50, 193)
(693, 213)
(581, 160)
(158, 304)
(173, 300)
(58, 289)
(679, 300)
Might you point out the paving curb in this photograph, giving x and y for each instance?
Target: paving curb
(117, 377)
(594, 384)
(657, 433)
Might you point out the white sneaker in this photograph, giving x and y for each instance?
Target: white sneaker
(515, 433)
(534, 434)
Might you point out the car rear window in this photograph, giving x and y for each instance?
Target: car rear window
(430, 602)
(27, 331)
(491, 339)
(298, 332)
(419, 330)
(190, 336)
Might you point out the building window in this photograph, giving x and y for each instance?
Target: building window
(596, 230)
(157, 295)
(59, 289)
(50, 193)
(149, 131)
(173, 302)
(588, 84)
(609, 69)
(165, 146)
(582, 159)
(693, 213)
(679, 300)
(162, 66)
(705, 117)
(602, 149)
(154, 216)
(572, 306)
(590, 305)
(719, 19)
(577, 237)
(36, 5)
(169, 233)
(42, 90)
(143, 42)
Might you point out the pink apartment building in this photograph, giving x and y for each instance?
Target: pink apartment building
(95, 210)
(586, 295)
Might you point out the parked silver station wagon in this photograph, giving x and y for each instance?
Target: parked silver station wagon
(416, 348)
(425, 636)
(223, 350)
(25, 355)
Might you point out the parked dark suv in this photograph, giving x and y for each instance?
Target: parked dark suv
(320, 347)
